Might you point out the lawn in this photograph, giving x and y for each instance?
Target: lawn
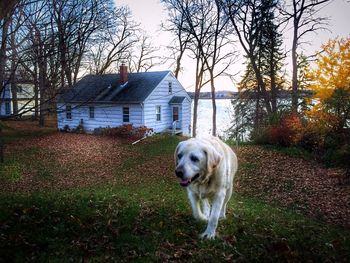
(76, 197)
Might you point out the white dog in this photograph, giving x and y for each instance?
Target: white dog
(206, 167)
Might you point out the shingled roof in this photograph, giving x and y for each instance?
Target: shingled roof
(107, 89)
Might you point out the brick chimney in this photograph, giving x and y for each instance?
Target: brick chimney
(123, 71)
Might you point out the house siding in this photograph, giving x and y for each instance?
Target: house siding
(105, 116)
(160, 96)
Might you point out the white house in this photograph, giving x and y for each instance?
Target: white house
(5, 101)
(25, 99)
(152, 99)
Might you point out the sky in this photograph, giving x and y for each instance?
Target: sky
(151, 13)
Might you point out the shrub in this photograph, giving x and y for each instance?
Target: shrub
(281, 135)
(126, 131)
(66, 128)
(284, 129)
(309, 139)
(261, 135)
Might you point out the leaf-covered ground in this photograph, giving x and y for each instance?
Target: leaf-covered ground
(294, 182)
(75, 197)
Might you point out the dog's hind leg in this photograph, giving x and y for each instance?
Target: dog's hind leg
(206, 207)
(196, 209)
(227, 198)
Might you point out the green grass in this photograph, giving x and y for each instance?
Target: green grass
(152, 222)
(10, 134)
(11, 171)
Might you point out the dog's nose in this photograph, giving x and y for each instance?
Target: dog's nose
(179, 174)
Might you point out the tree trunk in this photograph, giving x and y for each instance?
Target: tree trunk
(42, 105)
(295, 71)
(42, 84)
(13, 75)
(195, 110)
(213, 102)
(273, 86)
(5, 25)
(36, 92)
(262, 86)
(178, 66)
(198, 83)
(257, 110)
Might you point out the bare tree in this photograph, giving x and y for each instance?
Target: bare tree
(179, 44)
(206, 36)
(183, 10)
(114, 42)
(303, 15)
(143, 56)
(6, 11)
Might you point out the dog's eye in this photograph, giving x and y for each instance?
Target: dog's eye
(179, 156)
(194, 158)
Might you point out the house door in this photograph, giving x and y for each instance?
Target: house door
(176, 116)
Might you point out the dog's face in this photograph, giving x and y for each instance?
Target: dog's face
(194, 161)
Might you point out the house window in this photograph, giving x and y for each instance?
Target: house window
(92, 112)
(158, 113)
(7, 108)
(68, 112)
(170, 85)
(126, 114)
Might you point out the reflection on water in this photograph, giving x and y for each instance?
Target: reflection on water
(224, 116)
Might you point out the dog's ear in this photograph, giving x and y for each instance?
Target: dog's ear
(177, 151)
(213, 157)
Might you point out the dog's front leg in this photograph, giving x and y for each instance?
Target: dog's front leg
(195, 204)
(218, 202)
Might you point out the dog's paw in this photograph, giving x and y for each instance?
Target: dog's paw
(201, 217)
(207, 234)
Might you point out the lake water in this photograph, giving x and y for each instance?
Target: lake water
(224, 116)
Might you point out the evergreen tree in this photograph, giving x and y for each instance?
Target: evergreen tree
(269, 58)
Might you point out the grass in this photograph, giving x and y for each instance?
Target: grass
(10, 171)
(150, 220)
(11, 134)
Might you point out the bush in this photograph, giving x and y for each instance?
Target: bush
(319, 134)
(66, 128)
(126, 131)
(261, 135)
(310, 140)
(285, 131)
